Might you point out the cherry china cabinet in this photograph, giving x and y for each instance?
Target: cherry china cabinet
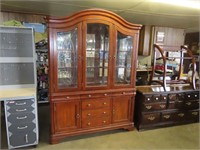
(93, 57)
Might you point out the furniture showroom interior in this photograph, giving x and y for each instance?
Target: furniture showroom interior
(107, 74)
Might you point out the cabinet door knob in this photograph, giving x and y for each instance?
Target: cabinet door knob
(77, 116)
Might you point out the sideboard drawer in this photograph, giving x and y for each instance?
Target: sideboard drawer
(150, 118)
(154, 106)
(96, 103)
(91, 113)
(88, 123)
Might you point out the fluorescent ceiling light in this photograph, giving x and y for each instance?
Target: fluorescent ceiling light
(185, 3)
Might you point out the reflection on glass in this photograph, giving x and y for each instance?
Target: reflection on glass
(67, 48)
(97, 47)
(123, 59)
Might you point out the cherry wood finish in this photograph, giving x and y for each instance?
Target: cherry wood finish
(156, 108)
(83, 107)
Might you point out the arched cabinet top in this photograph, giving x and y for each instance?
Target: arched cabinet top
(95, 14)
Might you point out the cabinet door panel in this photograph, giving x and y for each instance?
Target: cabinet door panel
(66, 115)
(97, 52)
(121, 109)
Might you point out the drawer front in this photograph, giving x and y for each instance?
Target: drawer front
(192, 104)
(20, 109)
(96, 103)
(168, 116)
(150, 118)
(21, 127)
(193, 115)
(148, 98)
(86, 114)
(103, 121)
(20, 103)
(163, 97)
(91, 96)
(180, 116)
(123, 93)
(176, 104)
(67, 97)
(22, 139)
(154, 106)
(21, 118)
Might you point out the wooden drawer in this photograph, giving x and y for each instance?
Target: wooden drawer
(67, 97)
(168, 116)
(163, 97)
(193, 115)
(154, 106)
(176, 104)
(96, 103)
(192, 104)
(150, 118)
(90, 113)
(103, 121)
(92, 96)
(180, 116)
(123, 93)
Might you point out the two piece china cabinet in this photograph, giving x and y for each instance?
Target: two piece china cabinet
(92, 57)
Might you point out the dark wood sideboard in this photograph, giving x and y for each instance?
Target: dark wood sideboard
(154, 107)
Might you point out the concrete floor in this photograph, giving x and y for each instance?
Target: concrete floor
(177, 137)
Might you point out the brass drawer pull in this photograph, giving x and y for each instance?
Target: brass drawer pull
(105, 94)
(104, 121)
(188, 103)
(67, 97)
(104, 103)
(18, 118)
(151, 118)
(89, 114)
(88, 123)
(104, 112)
(166, 116)
(123, 92)
(156, 98)
(181, 114)
(88, 105)
(77, 116)
(89, 95)
(21, 128)
(195, 113)
(19, 110)
(148, 107)
(162, 106)
(19, 104)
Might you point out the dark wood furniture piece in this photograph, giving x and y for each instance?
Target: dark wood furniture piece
(92, 56)
(156, 107)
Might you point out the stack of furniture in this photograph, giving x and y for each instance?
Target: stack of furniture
(93, 54)
(174, 100)
(18, 86)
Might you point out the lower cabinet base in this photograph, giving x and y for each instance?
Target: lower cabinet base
(56, 138)
(142, 127)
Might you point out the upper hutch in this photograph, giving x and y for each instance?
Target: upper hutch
(93, 57)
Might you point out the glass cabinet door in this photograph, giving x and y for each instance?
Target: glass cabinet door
(97, 51)
(123, 59)
(67, 59)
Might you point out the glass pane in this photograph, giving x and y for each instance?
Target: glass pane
(67, 48)
(123, 59)
(97, 47)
